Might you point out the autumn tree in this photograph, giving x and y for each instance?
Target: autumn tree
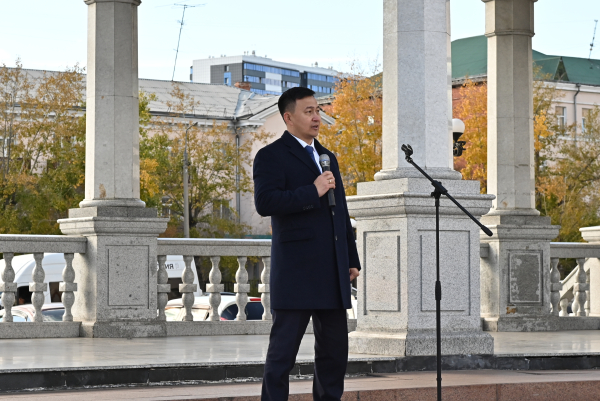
(43, 138)
(566, 171)
(218, 167)
(355, 137)
(470, 106)
(569, 186)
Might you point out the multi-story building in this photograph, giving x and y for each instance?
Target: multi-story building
(576, 79)
(262, 75)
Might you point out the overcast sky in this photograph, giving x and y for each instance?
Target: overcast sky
(51, 34)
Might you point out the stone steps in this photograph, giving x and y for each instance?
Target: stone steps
(486, 385)
(213, 373)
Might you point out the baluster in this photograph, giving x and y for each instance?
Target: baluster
(241, 288)
(555, 286)
(163, 288)
(37, 287)
(564, 304)
(188, 288)
(580, 288)
(68, 287)
(264, 288)
(214, 289)
(8, 287)
(574, 304)
(587, 294)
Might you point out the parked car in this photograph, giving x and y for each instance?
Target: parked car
(54, 263)
(52, 312)
(228, 309)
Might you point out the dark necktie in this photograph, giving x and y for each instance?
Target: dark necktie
(309, 150)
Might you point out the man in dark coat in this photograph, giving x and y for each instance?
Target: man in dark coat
(313, 254)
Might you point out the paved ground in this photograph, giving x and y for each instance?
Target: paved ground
(86, 353)
(482, 385)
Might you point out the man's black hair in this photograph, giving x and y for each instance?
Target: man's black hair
(287, 101)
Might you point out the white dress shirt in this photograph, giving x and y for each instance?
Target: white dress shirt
(315, 154)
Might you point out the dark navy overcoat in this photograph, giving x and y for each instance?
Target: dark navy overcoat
(313, 244)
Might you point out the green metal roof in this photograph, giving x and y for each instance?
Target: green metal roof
(469, 58)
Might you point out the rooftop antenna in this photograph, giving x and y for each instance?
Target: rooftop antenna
(593, 40)
(185, 6)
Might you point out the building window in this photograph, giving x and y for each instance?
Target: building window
(222, 210)
(321, 89)
(269, 81)
(584, 119)
(561, 115)
(264, 92)
(273, 70)
(226, 68)
(227, 78)
(319, 77)
(250, 78)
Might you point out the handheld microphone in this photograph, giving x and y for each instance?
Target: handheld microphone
(325, 166)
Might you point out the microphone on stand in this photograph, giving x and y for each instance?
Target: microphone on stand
(325, 166)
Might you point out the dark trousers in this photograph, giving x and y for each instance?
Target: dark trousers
(331, 352)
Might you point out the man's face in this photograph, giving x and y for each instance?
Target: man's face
(304, 121)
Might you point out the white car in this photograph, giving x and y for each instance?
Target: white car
(54, 263)
(24, 313)
(228, 309)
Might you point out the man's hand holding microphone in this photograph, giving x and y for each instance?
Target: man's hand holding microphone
(324, 183)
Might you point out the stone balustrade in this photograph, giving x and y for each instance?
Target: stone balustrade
(38, 245)
(575, 288)
(215, 249)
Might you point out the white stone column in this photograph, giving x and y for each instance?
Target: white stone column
(511, 174)
(515, 278)
(117, 276)
(112, 173)
(395, 215)
(417, 92)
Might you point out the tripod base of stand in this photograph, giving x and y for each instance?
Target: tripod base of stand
(421, 343)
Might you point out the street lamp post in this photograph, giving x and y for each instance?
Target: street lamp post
(186, 207)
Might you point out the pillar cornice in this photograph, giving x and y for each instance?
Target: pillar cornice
(134, 2)
(519, 32)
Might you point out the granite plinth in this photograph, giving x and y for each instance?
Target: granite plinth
(515, 276)
(541, 323)
(117, 274)
(124, 329)
(25, 330)
(421, 343)
(396, 238)
(234, 327)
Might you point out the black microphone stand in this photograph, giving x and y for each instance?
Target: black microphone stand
(438, 191)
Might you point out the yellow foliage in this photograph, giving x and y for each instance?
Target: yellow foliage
(471, 108)
(149, 180)
(355, 137)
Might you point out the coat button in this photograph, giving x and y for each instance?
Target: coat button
(336, 237)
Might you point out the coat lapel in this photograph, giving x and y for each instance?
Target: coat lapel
(297, 150)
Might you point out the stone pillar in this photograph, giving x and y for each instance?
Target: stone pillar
(117, 276)
(417, 91)
(592, 235)
(112, 131)
(516, 276)
(395, 214)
